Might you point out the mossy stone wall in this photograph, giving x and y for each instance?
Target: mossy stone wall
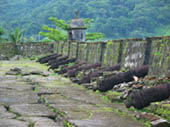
(26, 49)
(160, 56)
(130, 53)
(8, 49)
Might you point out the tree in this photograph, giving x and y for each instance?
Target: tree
(115, 18)
(16, 36)
(94, 36)
(57, 34)
(60, 32)
(2, 32)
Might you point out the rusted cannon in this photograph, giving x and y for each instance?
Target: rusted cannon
(112, 68)
(142, 98)
(90, 76)
(45, 60)
(45, 57)
(73, 73)
(67, 61)
(97, 73)
(110, 82)
(57, 60)
(66, 69)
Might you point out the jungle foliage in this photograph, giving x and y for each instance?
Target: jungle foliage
(115, 18)
(2, 32)
(60, 32)
(16, 36)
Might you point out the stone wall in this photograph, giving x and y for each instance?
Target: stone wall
(8, 49)
(160, 56)
(26, 49)
(131, 53)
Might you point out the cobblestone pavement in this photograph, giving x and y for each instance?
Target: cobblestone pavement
(45, 99)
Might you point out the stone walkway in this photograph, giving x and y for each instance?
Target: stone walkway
(50, 100)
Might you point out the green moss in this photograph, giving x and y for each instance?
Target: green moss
(106, 98)
(36, 90)
(62, 113)
(113, 93)
(53, 74)
(41, 100)
(67, 124)
(36, 57)
(119, 112)
(107, 109)
(132, 109)
(9, 109)
(146, 123)
(166, 105)
(98, 92)
(23, 64)
(113, 96)
(104, 109)
(8, 49)
(90, 115)
(70, 64)
(80, 75)
(78, 86)
(163, 111)
(31, 124)
(147, 109)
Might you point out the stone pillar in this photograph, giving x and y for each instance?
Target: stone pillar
(147, 51)
(103, 46)
(87, 52)
(77, 50)
(69, 43)
(120, 52)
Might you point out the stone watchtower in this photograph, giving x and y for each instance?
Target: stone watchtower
(77, 29)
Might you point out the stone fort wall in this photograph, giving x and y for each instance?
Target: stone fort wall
(131, 53)
(26, 49)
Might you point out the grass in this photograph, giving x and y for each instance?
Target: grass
(107, 109)
(106, 98)
(98, 92)
(163, 111)
(35, 87)
(144, 121)
(113, 93)
(67, 124)
(119, 112)
(110, 96)
(53, 74)
(147, 123)
(31, 124)
(23, 64)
